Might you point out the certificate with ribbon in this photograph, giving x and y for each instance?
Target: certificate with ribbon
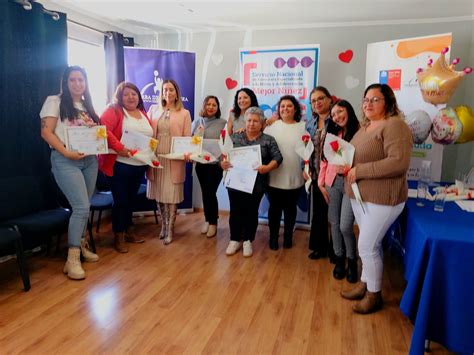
(87, 140)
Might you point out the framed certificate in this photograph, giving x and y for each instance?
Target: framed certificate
(248, 157)
(186, 145)
(87, 140)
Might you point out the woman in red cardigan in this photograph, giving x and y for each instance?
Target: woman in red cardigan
(127, 113)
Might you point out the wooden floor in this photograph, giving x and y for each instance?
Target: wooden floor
(189, 297)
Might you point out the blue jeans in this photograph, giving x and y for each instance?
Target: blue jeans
(76, 178)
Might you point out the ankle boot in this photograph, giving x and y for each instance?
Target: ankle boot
(164, 220)
(371, 302)
(170, 227)
(130, 237)
(73, 268)
(88, 255)
(273, 242)
(356, 293)
(352, 272)
(119, 242)
(340, 268)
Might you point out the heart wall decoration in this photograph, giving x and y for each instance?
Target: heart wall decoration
(230, 83)
(217, 59)
(346, 56)
(351, 82)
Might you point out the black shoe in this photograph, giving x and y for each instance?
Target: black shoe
(352, 271)
(287, 243)
(316, 255)
(273, 243)
(332, 256)
(340, 268)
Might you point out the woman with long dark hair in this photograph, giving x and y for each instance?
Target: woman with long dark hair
(243, 99)
(343, 124)
(74, 172)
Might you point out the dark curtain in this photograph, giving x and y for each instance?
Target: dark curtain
(114, 66)
(33, 56)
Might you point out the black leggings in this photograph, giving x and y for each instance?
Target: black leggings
(282, 201)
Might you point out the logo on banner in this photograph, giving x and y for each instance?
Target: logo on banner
(392, 78)
(151, 91)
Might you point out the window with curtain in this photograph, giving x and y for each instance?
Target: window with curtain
(86, 49)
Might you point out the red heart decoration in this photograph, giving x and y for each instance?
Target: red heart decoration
(346, 56)
(230, 83)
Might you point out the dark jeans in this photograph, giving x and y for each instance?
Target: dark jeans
(318, 237)
(209, 176)
(282, 201)
(124, 185)
(243, 219)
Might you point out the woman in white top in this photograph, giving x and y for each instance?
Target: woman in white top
(125, 173)
(285, 183)
(74, 172)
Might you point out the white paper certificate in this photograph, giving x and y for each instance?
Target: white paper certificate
(212, 146)
(248, 157)
(87, 140)
(135, 140)
(185, 145)
(241, 179)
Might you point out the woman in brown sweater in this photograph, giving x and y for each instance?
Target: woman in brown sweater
(382, 157)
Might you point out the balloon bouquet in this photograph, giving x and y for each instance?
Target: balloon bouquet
(437, 84)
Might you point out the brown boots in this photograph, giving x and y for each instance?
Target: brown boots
(356, 293)
(119, 242)
(369, 301)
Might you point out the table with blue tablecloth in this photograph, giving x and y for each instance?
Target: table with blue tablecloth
(439, 270)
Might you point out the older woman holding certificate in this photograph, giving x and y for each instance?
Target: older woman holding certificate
(243, 220)
(166, 186)
(125, 173)
(74, 172)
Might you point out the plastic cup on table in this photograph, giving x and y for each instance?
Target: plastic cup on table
(440, 199)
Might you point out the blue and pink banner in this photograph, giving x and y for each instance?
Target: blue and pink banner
(272, 72)
(147, 68)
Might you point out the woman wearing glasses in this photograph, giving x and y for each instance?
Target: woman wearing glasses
(382, 157)
(321, 101)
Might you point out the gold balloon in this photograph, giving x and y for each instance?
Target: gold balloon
(439, 81)
(466, 116)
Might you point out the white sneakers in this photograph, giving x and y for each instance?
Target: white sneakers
(247, 248)
(212, 231)
(205, 228)
(234, 247)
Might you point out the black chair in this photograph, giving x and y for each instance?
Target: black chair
(10, 243)
(32, 206)
(101, 200)
(142, 204)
